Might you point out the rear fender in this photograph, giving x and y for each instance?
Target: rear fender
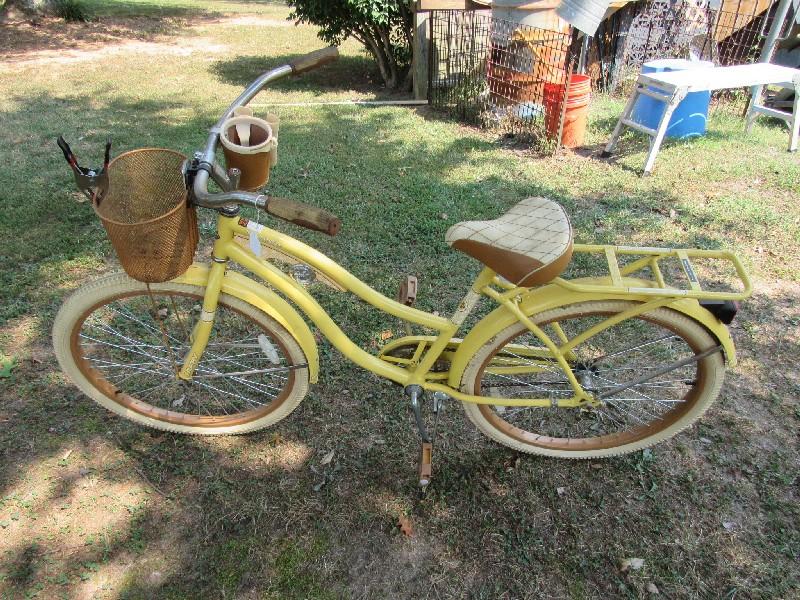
(269, 302)
(552, 296)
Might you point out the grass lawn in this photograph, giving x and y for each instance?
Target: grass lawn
(92, 506)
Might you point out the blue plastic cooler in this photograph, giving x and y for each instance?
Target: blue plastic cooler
(689, 118)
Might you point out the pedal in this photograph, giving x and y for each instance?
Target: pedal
(425, 467)
(408, 291)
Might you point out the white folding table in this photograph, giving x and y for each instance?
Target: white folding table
(671, 87)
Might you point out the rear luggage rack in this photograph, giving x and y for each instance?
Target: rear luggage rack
(649, 258)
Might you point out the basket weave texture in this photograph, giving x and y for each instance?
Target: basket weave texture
(146, 214)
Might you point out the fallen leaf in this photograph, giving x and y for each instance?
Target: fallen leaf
(385, 335)
(327, 458)
(163, 313)
(561, 491)
(634, 564)
(66, 455)
(729, 525)
(404, 523)
(651, 587)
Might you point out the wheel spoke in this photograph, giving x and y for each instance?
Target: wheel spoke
(641, 371)
(121, 346)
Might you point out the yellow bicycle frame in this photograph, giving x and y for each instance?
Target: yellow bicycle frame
(515, 304)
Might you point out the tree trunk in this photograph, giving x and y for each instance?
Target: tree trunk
(16, 10)
(382, 58)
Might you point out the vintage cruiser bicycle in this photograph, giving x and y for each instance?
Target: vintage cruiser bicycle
(578, 368)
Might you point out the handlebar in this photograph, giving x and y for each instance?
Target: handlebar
(289, 210)
(304, 215)
(315, 59)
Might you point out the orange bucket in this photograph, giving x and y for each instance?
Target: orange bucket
(576, 109)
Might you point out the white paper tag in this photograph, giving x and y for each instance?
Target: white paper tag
(255, 244)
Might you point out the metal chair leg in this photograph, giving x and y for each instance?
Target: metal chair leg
(752, 114)
(655, 143)
(626, 113)
(795, 122)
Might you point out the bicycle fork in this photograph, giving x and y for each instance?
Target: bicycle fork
(202, 329)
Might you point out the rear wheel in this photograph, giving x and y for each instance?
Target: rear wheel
(122, 343)
(514, 364)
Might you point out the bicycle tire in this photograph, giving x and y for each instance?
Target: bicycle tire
(546, 431)
(94, 337)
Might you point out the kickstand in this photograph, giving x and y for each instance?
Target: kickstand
(425, 469)
(425, 464)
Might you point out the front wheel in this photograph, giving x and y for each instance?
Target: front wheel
(514, 364)
(122, 343)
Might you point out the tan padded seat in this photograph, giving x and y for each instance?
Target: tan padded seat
(529, 245)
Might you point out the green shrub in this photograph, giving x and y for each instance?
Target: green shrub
(384, 27)
(70, 10)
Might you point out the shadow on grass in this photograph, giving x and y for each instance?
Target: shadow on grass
(22, 41)
(631, 142)
(247, 517)
(357, 73)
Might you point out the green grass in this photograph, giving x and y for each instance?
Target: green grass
(178, 517)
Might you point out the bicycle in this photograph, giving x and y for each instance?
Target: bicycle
(588, 367)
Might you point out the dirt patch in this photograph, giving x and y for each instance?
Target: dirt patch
(53, 41)
(96, 52)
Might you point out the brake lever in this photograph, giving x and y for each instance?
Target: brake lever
(92, 182)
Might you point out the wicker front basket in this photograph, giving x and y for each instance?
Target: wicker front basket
(146, 214)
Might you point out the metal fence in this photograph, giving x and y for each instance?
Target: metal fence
(732, 34)
(511, 78)
(499, 74)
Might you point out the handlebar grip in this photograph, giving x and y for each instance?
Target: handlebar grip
(304, 215)
(315, 59)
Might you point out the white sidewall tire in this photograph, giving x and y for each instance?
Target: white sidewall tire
(692, 332)
(117, 284)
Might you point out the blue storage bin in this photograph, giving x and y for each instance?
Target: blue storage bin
(689, 118)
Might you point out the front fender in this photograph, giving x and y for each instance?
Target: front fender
(552, 296)
(266, 300)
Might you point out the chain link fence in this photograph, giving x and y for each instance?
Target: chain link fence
(499, 74)
(503, 76)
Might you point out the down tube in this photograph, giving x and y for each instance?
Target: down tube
(317, 314)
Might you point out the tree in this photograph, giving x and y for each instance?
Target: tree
(15, 9)
(384, 27)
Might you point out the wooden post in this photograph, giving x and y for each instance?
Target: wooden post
(421, 50)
